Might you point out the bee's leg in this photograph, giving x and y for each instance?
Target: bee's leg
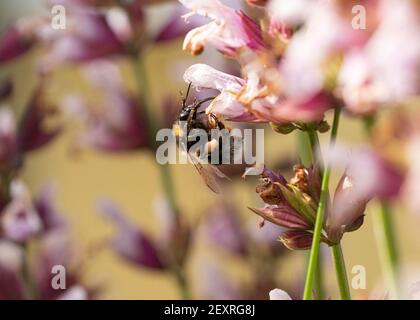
(210, 147)
(213, 121)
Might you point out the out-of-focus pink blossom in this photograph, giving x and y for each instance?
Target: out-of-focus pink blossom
(367, 176)
(19, 219)
(368, 80)
(88, 36)
(223, 228)
(47, 209)
(278, 294)
(76, 292)
(176, 27)
(14, 42)
(174, 237)
(33, 133)
(259, 3)
(228, 31)
(56, 250)
(216, 284)
(131, 243)
(117, 125)
(293, 13)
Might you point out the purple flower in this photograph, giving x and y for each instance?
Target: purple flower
(50, 215)
(32, 132)
(14, 42)
(131, 243)
(216, 284)
(88, 36)
(56, 250)
(114, 126)
(224, 229)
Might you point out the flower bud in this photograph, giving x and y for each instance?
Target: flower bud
(301, 202)
(323, 126)
(297, 239)
(347, 209)
(282, 215)
(284, 128)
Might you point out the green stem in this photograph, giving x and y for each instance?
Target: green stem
(165, 172)
(315, 145)
(340, 270)
(385, 237)
(183, 284)
(30, 291)
(319, 222)
(308, 145)
(304, 149)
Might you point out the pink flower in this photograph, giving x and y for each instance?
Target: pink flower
(248, 100)
(293, 13)
(228, 31)
(175, 27)
(226, 104)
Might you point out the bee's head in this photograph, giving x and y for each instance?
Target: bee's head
(184, 114)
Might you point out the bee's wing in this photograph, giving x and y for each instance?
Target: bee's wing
(210, 174)
(236, 148)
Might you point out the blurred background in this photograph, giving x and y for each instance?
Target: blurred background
(82, 176)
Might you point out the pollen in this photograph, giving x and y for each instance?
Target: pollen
(300, 180)
(177, 130)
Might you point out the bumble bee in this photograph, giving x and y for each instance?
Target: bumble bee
(190, 118)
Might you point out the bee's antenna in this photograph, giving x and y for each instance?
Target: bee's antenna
(204, 101)
(184, 99)
(188, 91)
